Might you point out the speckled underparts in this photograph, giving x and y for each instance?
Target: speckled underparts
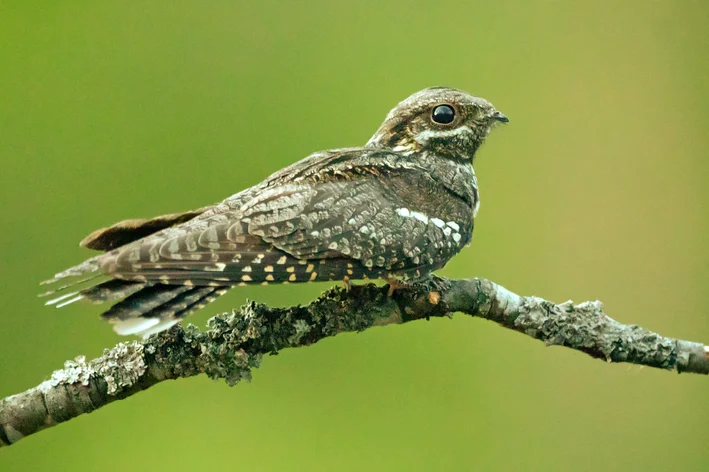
(399, 207)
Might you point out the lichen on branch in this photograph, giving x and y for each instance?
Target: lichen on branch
(234, 343)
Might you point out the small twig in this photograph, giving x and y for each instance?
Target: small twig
(236, 342)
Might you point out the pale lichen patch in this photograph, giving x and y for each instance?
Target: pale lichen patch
(120, 366)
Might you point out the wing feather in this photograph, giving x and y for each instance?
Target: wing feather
(127, 231)
(313, 216)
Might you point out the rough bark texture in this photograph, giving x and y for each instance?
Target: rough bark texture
(234, 343)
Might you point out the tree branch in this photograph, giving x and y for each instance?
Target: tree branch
(234, 343)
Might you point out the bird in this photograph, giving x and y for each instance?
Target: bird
(397, 208)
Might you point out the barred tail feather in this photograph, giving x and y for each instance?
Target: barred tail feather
(144, 308)
(79, 289)
(144, 301)
(87, 267)
(159, 307)
(111, 290)
(96, 292)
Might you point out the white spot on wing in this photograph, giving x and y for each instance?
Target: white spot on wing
(402, 212)
(406, 213)
(258, 259)
(217, 267)
(419, 216)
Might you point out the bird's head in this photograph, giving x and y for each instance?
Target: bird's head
(443, 120)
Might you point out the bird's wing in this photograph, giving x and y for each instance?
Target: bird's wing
(379, 218)
(354, 219)
(373, 207)
(127, 231)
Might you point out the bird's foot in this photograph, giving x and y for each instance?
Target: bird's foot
(431, 284)
(395, 284)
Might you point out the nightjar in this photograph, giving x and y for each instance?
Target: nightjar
(400, 206)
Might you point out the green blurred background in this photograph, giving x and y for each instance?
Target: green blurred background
(595, 190)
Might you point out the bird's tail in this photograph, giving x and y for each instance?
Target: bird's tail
(77, 280)
(156, 307)
(143, 308)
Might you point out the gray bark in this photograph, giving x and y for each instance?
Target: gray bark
(236, 342)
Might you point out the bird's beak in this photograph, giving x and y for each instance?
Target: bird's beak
(501, 117)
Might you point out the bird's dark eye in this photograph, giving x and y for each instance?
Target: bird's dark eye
(443, 114)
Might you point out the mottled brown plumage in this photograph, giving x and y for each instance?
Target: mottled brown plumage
(401, 206)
